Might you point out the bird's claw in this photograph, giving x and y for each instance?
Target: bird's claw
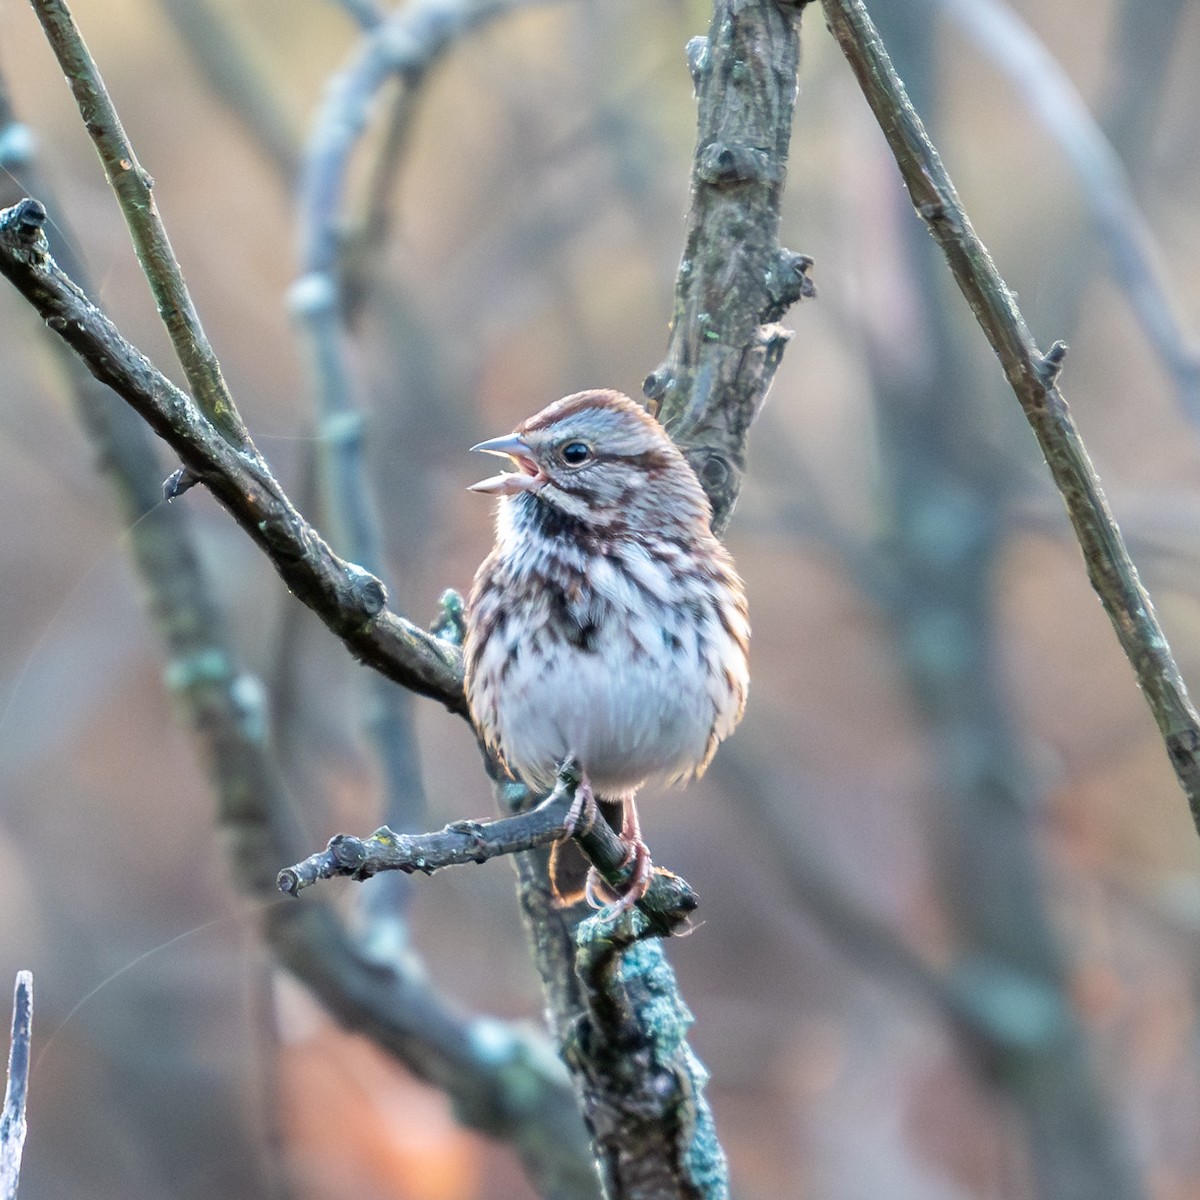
(582, 803)
(600, 894)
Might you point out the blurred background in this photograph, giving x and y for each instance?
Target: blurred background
(950, 890)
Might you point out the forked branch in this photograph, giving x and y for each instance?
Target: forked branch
(666, 904)
(351, 601)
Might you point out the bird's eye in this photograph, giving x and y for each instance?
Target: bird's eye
(575, 453)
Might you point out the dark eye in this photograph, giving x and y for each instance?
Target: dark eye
(574, 453)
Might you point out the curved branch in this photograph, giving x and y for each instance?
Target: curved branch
(350, 601)
(1032, 377)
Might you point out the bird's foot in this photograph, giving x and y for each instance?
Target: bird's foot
(600, 894)
(583, 804)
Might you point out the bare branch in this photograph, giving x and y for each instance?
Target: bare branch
(134, 191)
(1040, 81)
(348, 599)
(12, 1120)
(1032, 377)
(666, 904)
(735, 281)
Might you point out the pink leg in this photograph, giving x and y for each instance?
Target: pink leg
(637, 852)
(582, 802)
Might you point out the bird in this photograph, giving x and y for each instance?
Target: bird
(608, 623)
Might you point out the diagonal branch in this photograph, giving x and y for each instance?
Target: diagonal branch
(350, 601)
(501, 1078)
(1032, 377)
(134, 189)
(1124, 233)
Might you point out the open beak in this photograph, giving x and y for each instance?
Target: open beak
(526, 478)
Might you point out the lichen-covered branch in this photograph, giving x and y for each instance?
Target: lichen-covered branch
(12, 1119)
(350, 601)
(1032, 376)
(651, 1126)
(735, 281)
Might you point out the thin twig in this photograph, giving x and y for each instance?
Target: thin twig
(401, 47)
(1124, 233)
(667, 903)
(350, 600)
(134, 190)
(12, 1120)
(1032, 376)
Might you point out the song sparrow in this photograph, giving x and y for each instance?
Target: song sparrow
(607, 623)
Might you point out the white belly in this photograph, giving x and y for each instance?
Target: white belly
(615, 669)
(627, 717)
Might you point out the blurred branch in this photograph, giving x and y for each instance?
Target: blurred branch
(1144, 38)
(133, 187)
(370, 229)
(402, 46)
(366, 13)
(220, 54)
(1003, 1013)
(1002, 36)
(734, 281)
(498, 1083)
(348, 599)
(1032, 377)
(12, 1120)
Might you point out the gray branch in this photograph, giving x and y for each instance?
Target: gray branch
(666, 905)
(735, 281)
(12, 1120)
(350, 601)
(1040, 81)
(1032, 376)
(134, 189)
(502, 1079)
